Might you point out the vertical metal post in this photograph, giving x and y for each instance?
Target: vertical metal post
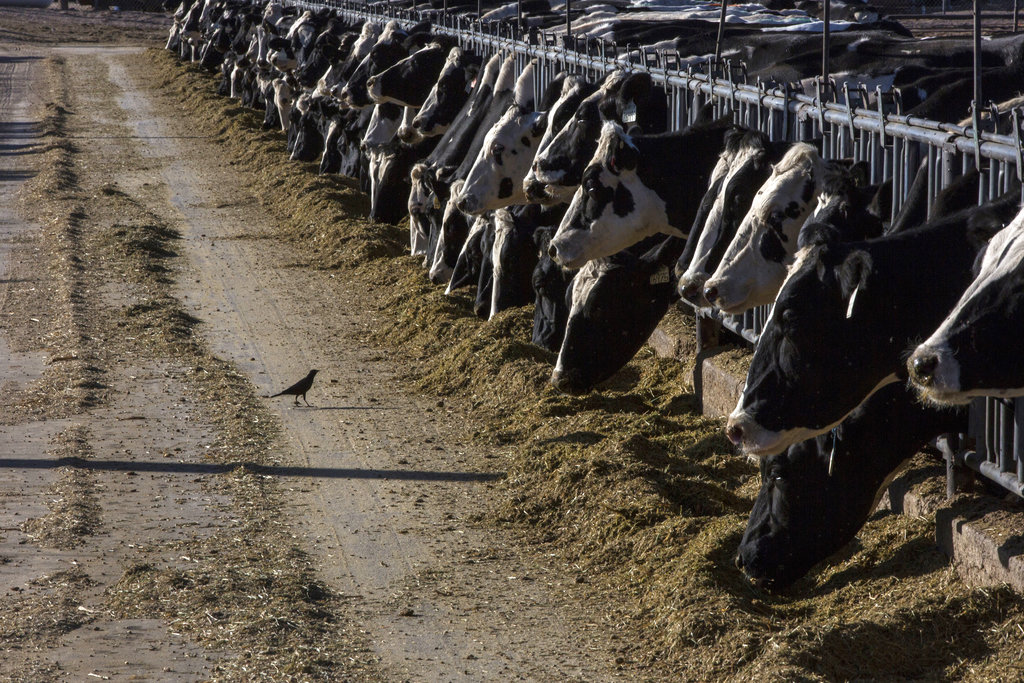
(519, 15)
(976, 107)
(826, 39)
(721, 31)
(568, 20)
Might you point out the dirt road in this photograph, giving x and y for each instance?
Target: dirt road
(371, 487)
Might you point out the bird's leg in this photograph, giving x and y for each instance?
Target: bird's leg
(304, 399)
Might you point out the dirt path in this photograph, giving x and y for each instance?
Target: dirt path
(376, 484)
(386, 490)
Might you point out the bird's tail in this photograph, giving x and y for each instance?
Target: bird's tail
(280, 393)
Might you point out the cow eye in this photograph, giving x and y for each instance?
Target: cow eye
(497, 150)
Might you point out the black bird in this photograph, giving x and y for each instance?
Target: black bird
(299, 388)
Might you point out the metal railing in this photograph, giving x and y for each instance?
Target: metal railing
(851, 122)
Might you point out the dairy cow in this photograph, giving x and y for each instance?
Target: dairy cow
(754, 265)
(973, 352)
(635, 187)
(743, 166)
(446, 98)
(817, 495)
(843, 319)
(614, 305)
(550, 284)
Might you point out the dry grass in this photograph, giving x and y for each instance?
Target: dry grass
(74, 509)
(629, 485)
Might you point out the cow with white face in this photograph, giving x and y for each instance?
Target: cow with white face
(635, 187)
(754, 266)
(974, 351)
(496, 178)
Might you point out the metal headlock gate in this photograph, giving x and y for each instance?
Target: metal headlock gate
(851, 122)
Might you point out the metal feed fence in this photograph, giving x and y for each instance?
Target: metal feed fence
(851, 122)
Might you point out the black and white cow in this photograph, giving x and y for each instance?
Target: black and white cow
(550, 284)
(558, 168)
(974, 350)
(743, 167)
(844, 319)
(754, 265)
(497, 176)
(635, 187)
(514, 257)
(816, 496)
(409, 82)
(447, 96)
(615, 304)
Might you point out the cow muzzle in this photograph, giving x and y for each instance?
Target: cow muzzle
(935, 373)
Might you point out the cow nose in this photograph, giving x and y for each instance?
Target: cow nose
(735, 434)
(690, 291)
(553, 251)
(711, 293)
(923, 367)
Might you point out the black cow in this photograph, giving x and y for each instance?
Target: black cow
(843, 320)
(551, 283)
(615, 304)
(409, 82)
(816, 496)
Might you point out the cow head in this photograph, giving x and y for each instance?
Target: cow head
(574, 89)
(743, 166)
(496, 178)
(558, 168)
(615, 304)
(820, 354)
(612, 209)
(972, 353)
(446, 97)
(386, 52)
(754, 265)
(410, 80)
(816, 496)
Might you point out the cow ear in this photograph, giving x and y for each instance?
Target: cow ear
(539, 126)
(853, 276)
(982, 225)
(624, 159)
(860, 173)
(608, 109)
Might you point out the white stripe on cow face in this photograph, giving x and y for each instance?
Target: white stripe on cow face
(758, 442)
(755, 264)
(581, 287)
(382, 127)
(612, 210)
(729, 162)
(1003, 258)
(496, 178)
